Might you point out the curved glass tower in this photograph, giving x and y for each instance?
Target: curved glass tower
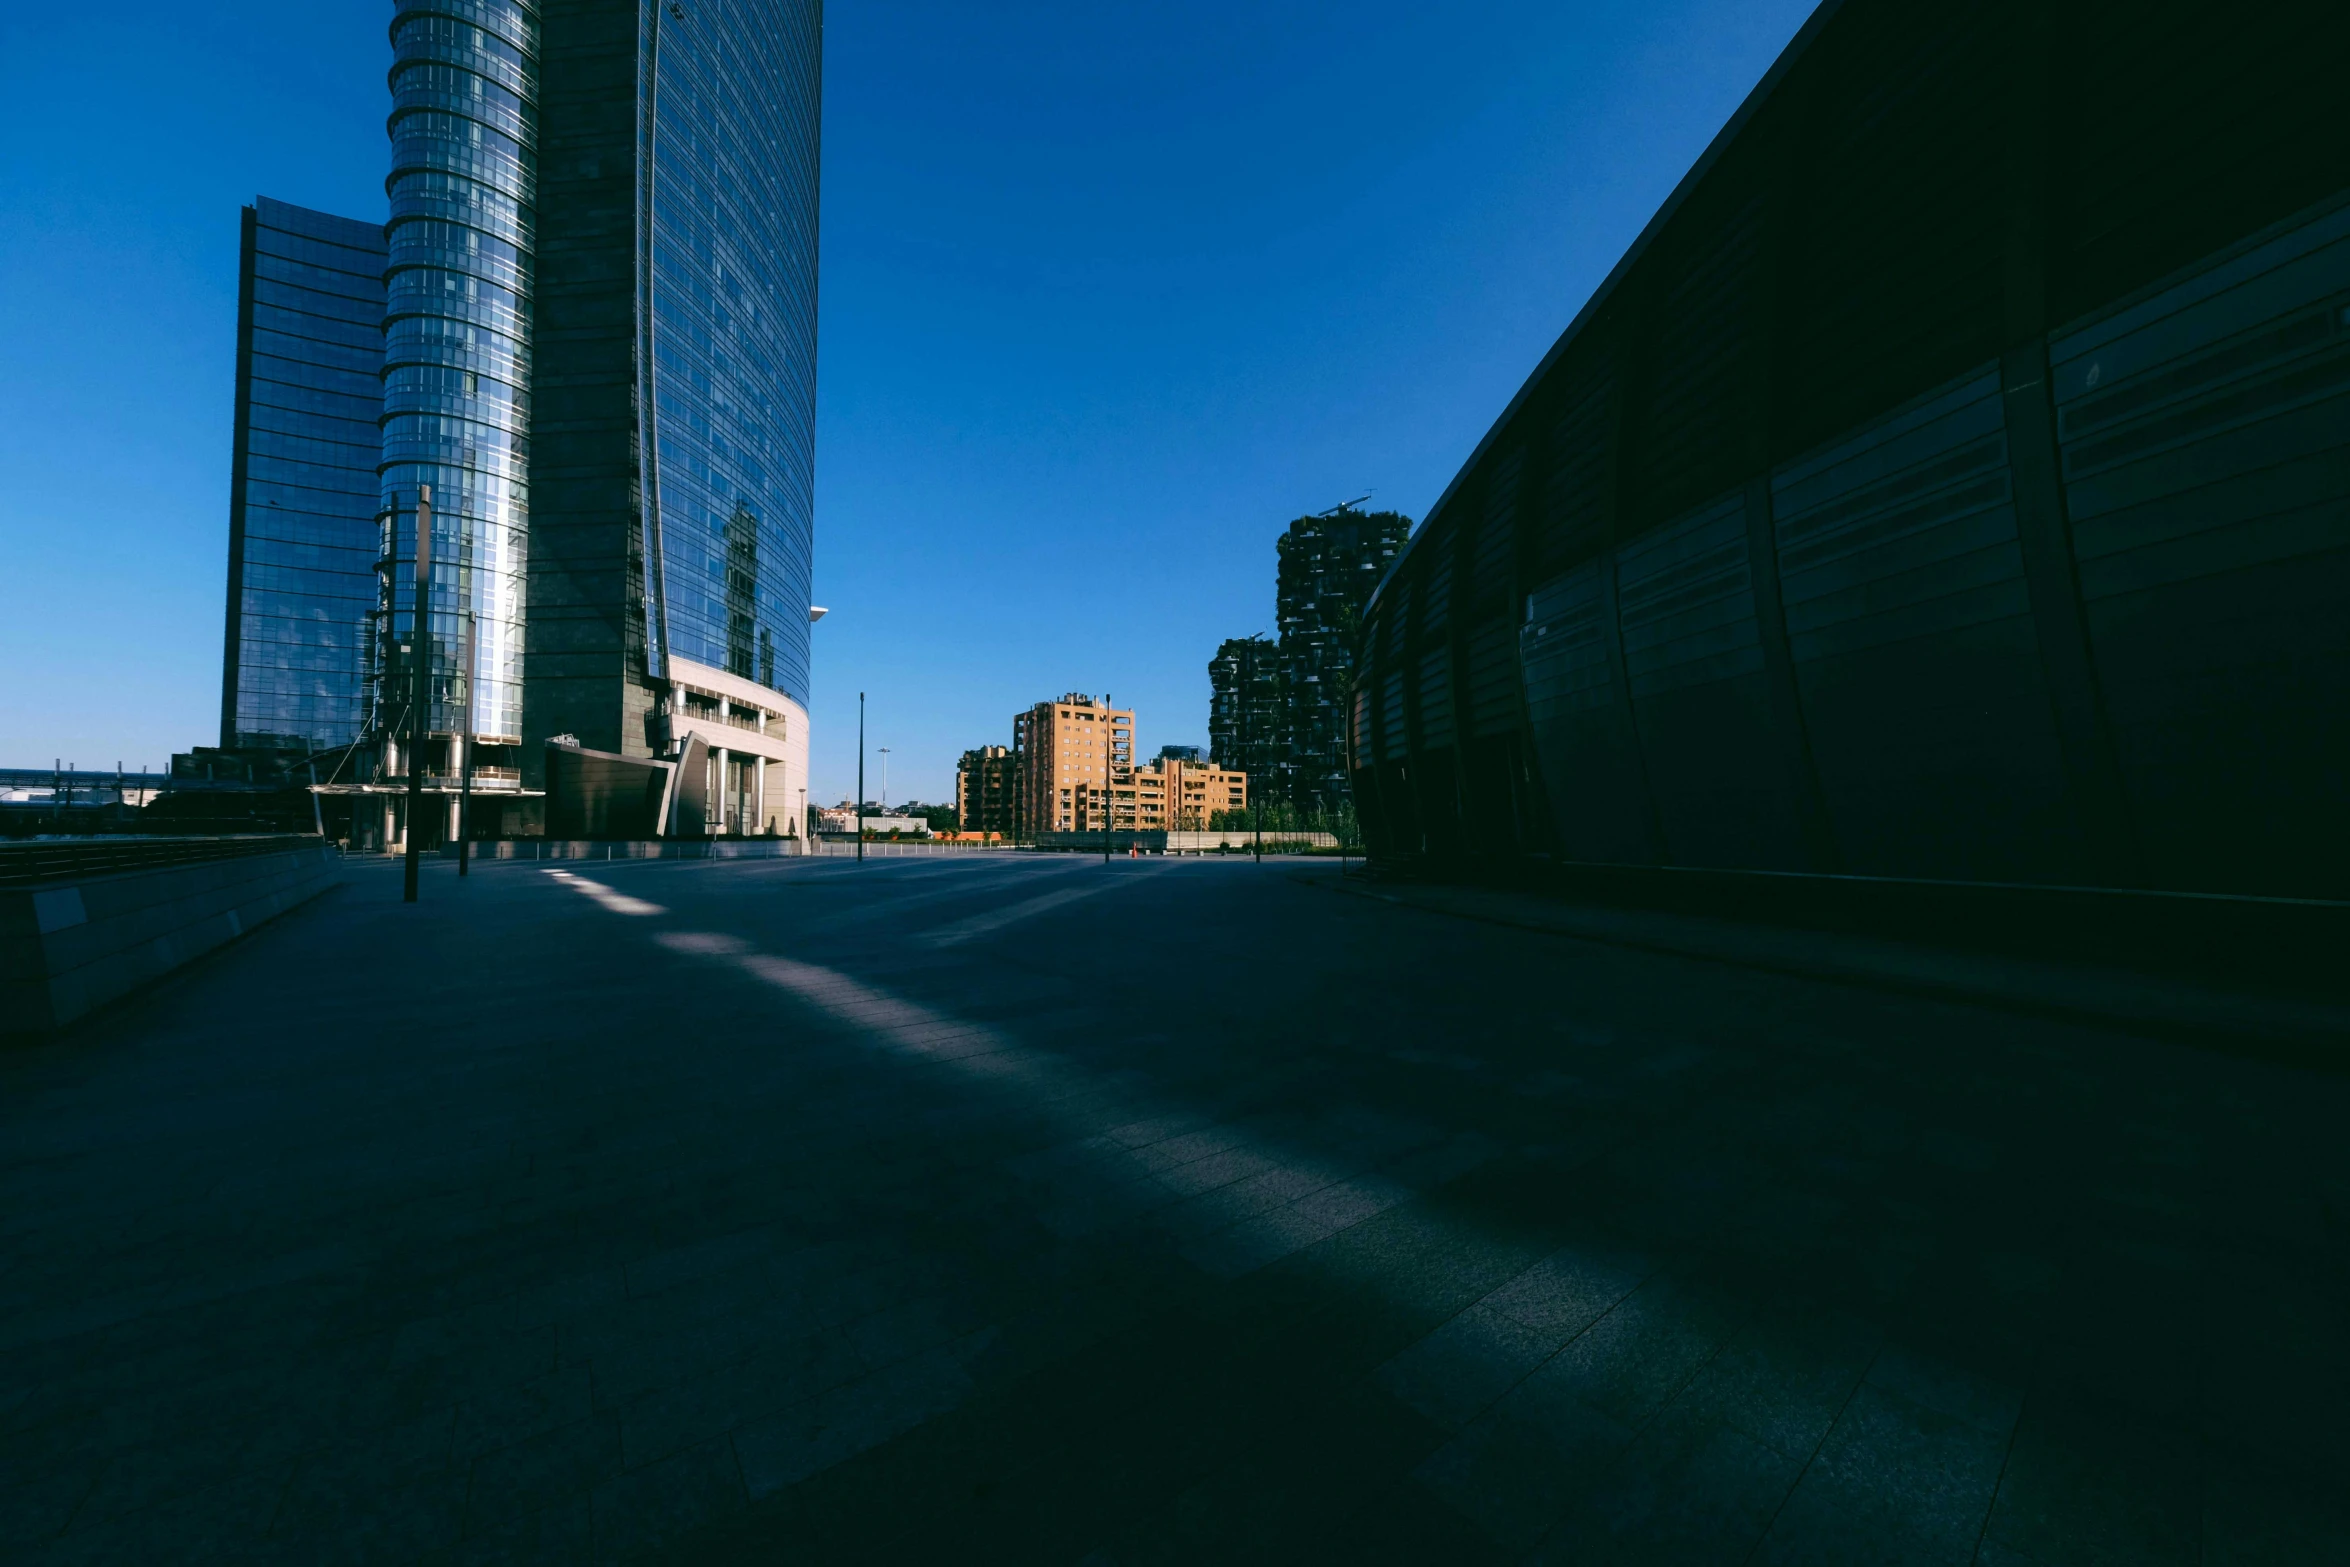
(731, 236)
(674, 307)
(456, 398)
(602, 361)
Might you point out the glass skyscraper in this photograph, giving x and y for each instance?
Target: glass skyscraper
(600, 355)
(456, 354)
(302, 495)
(733, 132)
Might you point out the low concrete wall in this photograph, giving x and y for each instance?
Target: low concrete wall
(710, 848)
(1153, 841)
(631, 849)
(845, 847)
(67, 947)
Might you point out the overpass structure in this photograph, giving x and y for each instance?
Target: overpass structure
(1952, 482)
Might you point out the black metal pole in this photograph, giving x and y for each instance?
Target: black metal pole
(1109, 773)
(465, 779)
(1256, 812)
(421, 657)
(860, 814)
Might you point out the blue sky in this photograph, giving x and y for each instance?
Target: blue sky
(1109, 294)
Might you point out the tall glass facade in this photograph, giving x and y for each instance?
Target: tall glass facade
(456, 349)
(302, 529)
(731, 112)
(635, 320)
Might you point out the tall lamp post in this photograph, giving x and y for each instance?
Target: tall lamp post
(860, 811)
(420, 700)
(1256, 812)
(807, 833)
(1109, 773)
(465, 776)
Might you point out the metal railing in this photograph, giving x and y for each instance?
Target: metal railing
(846, 844)
(65, 859)
(731, 720)
(486, 780)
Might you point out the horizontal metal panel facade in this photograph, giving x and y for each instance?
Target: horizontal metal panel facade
(1910, 628)
(1572, 520)
(1493, 681)
(1392, 743)
(1575, 706)
(1693, 660)
(1687, 607)
(1490, 563)
(2206, 442)
(1436, 726)
(1436, 595)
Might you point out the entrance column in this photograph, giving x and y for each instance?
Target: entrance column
(457, 746)
(759, 780)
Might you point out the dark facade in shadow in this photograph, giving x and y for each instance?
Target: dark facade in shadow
(1949, 483)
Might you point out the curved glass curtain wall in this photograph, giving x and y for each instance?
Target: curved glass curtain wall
(457, 345)
(733, 200)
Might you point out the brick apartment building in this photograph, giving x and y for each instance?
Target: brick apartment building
(1075, 761)
(1182, 795)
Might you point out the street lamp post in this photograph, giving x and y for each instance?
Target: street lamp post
(465, 776)
(860, 811)
(1256, 812)
(420, 699)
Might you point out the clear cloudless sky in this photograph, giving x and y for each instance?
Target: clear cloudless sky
(1110, 293)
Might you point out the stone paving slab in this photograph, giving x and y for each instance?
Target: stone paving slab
(710, 1213)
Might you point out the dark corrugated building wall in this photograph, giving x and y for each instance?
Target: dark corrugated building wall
(1952, 482)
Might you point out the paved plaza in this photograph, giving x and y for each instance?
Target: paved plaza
(1017, 1208)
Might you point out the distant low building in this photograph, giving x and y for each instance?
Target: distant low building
(843, 821)
(987, 786)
